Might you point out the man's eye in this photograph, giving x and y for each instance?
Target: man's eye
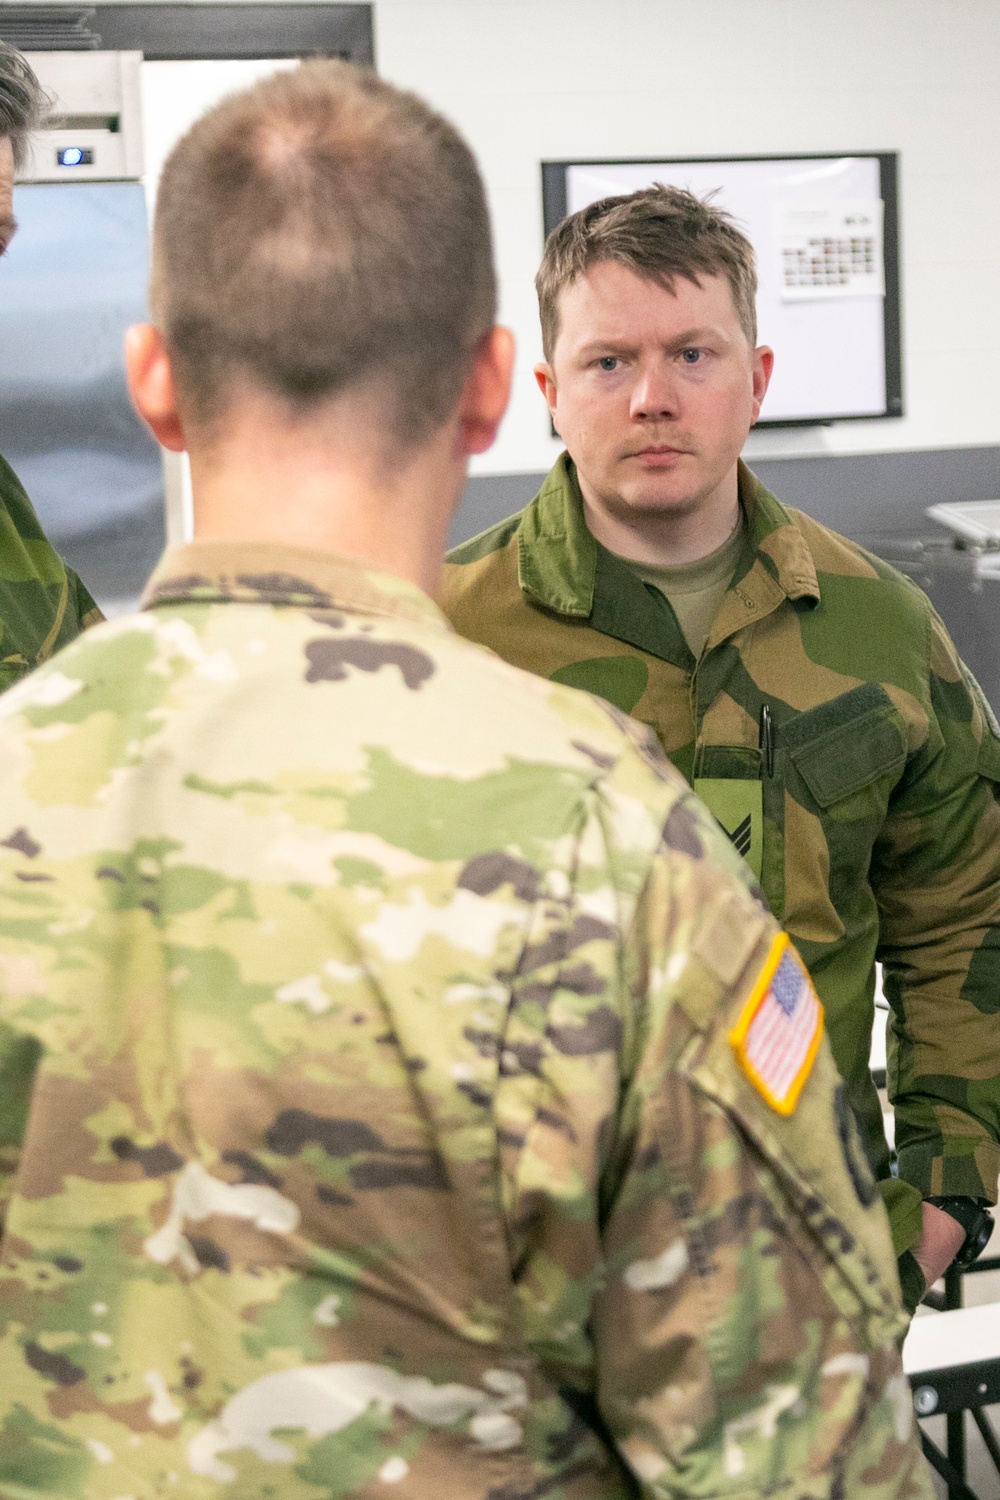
(690, 356)
(608, 362)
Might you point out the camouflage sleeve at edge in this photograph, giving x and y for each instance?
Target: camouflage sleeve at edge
(88, 612)
(936, 873)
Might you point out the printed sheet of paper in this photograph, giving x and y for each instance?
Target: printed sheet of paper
(831, 250)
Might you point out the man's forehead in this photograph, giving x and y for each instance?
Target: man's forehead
(609, 296)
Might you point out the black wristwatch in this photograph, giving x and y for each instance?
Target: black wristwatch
(974, 1219)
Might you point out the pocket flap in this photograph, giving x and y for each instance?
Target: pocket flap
(846, 744)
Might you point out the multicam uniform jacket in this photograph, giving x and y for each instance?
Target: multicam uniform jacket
(43, 604)
(378, 1028)
(833, 730)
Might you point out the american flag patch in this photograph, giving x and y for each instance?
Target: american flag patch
(778, 1033)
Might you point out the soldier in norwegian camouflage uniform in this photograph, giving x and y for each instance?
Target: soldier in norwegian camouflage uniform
(808, 691)
(43, 604)
(403, 1091)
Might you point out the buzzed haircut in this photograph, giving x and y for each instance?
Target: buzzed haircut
(319, 231)
(23, 102)
(659, 233)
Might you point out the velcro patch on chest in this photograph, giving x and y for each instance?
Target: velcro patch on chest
(779, 1029)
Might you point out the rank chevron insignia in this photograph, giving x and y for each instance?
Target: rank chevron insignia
(740, 836)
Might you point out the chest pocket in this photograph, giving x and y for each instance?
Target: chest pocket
(834, 769)
(847, 745)
(840, 763)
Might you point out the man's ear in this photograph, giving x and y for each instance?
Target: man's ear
(763, 364)
(151, 385)
(546, 379)
(487, 390)
(545, 376)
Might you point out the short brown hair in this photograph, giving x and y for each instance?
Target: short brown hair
(23, 102)
(321, 230)
(660, 233)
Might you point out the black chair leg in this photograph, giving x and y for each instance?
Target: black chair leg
(956, 1444)
(989, 1437)
(957, 1487)
(956, 1420)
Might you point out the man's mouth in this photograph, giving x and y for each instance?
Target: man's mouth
(659, 453)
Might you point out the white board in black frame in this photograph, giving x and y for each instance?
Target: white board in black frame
(836, 358)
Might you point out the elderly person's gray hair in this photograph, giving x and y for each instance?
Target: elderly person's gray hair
(23, 102)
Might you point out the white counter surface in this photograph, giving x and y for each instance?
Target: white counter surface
(939, 1340)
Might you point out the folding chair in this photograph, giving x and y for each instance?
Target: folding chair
(952, 1361)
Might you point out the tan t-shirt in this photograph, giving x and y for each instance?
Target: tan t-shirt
(695, 590)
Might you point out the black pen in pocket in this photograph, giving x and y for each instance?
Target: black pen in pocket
(765, 739)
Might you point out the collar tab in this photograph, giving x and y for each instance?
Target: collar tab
(773, 533)
(557, 557)
(556, 554)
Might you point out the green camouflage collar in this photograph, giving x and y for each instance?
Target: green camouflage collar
(556, 554)
(208, 571)
(558, 559)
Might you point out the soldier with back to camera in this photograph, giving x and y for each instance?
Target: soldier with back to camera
(43, 604)
(808, 691)
(404, 1091)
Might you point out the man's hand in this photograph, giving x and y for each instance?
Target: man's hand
(941, 1240)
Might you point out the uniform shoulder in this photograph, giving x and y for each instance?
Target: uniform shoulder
(480, 584)
(86, 609)
(494, 539)
(604, 752)
(102, 662)
(521, 704)
(14, 500)
(838, 555)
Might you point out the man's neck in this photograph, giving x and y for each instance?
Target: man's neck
(669, 536)
(316, 485)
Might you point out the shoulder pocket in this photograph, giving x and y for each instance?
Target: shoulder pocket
(816, 1157)
(844, 745)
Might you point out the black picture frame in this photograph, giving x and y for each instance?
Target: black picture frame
(554, 203)
(192, 32)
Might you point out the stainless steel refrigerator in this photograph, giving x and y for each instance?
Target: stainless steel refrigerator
(73, 280)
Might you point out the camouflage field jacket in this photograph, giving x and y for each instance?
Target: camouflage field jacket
(833, 730)
(401, 1090)
(43, 604)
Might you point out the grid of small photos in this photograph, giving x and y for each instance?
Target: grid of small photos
(823, 262)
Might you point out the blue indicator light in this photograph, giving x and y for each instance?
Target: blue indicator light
(75, 156)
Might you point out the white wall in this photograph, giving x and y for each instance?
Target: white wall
(528, 80)
(175, 94)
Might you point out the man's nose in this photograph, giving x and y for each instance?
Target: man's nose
(654, 393)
